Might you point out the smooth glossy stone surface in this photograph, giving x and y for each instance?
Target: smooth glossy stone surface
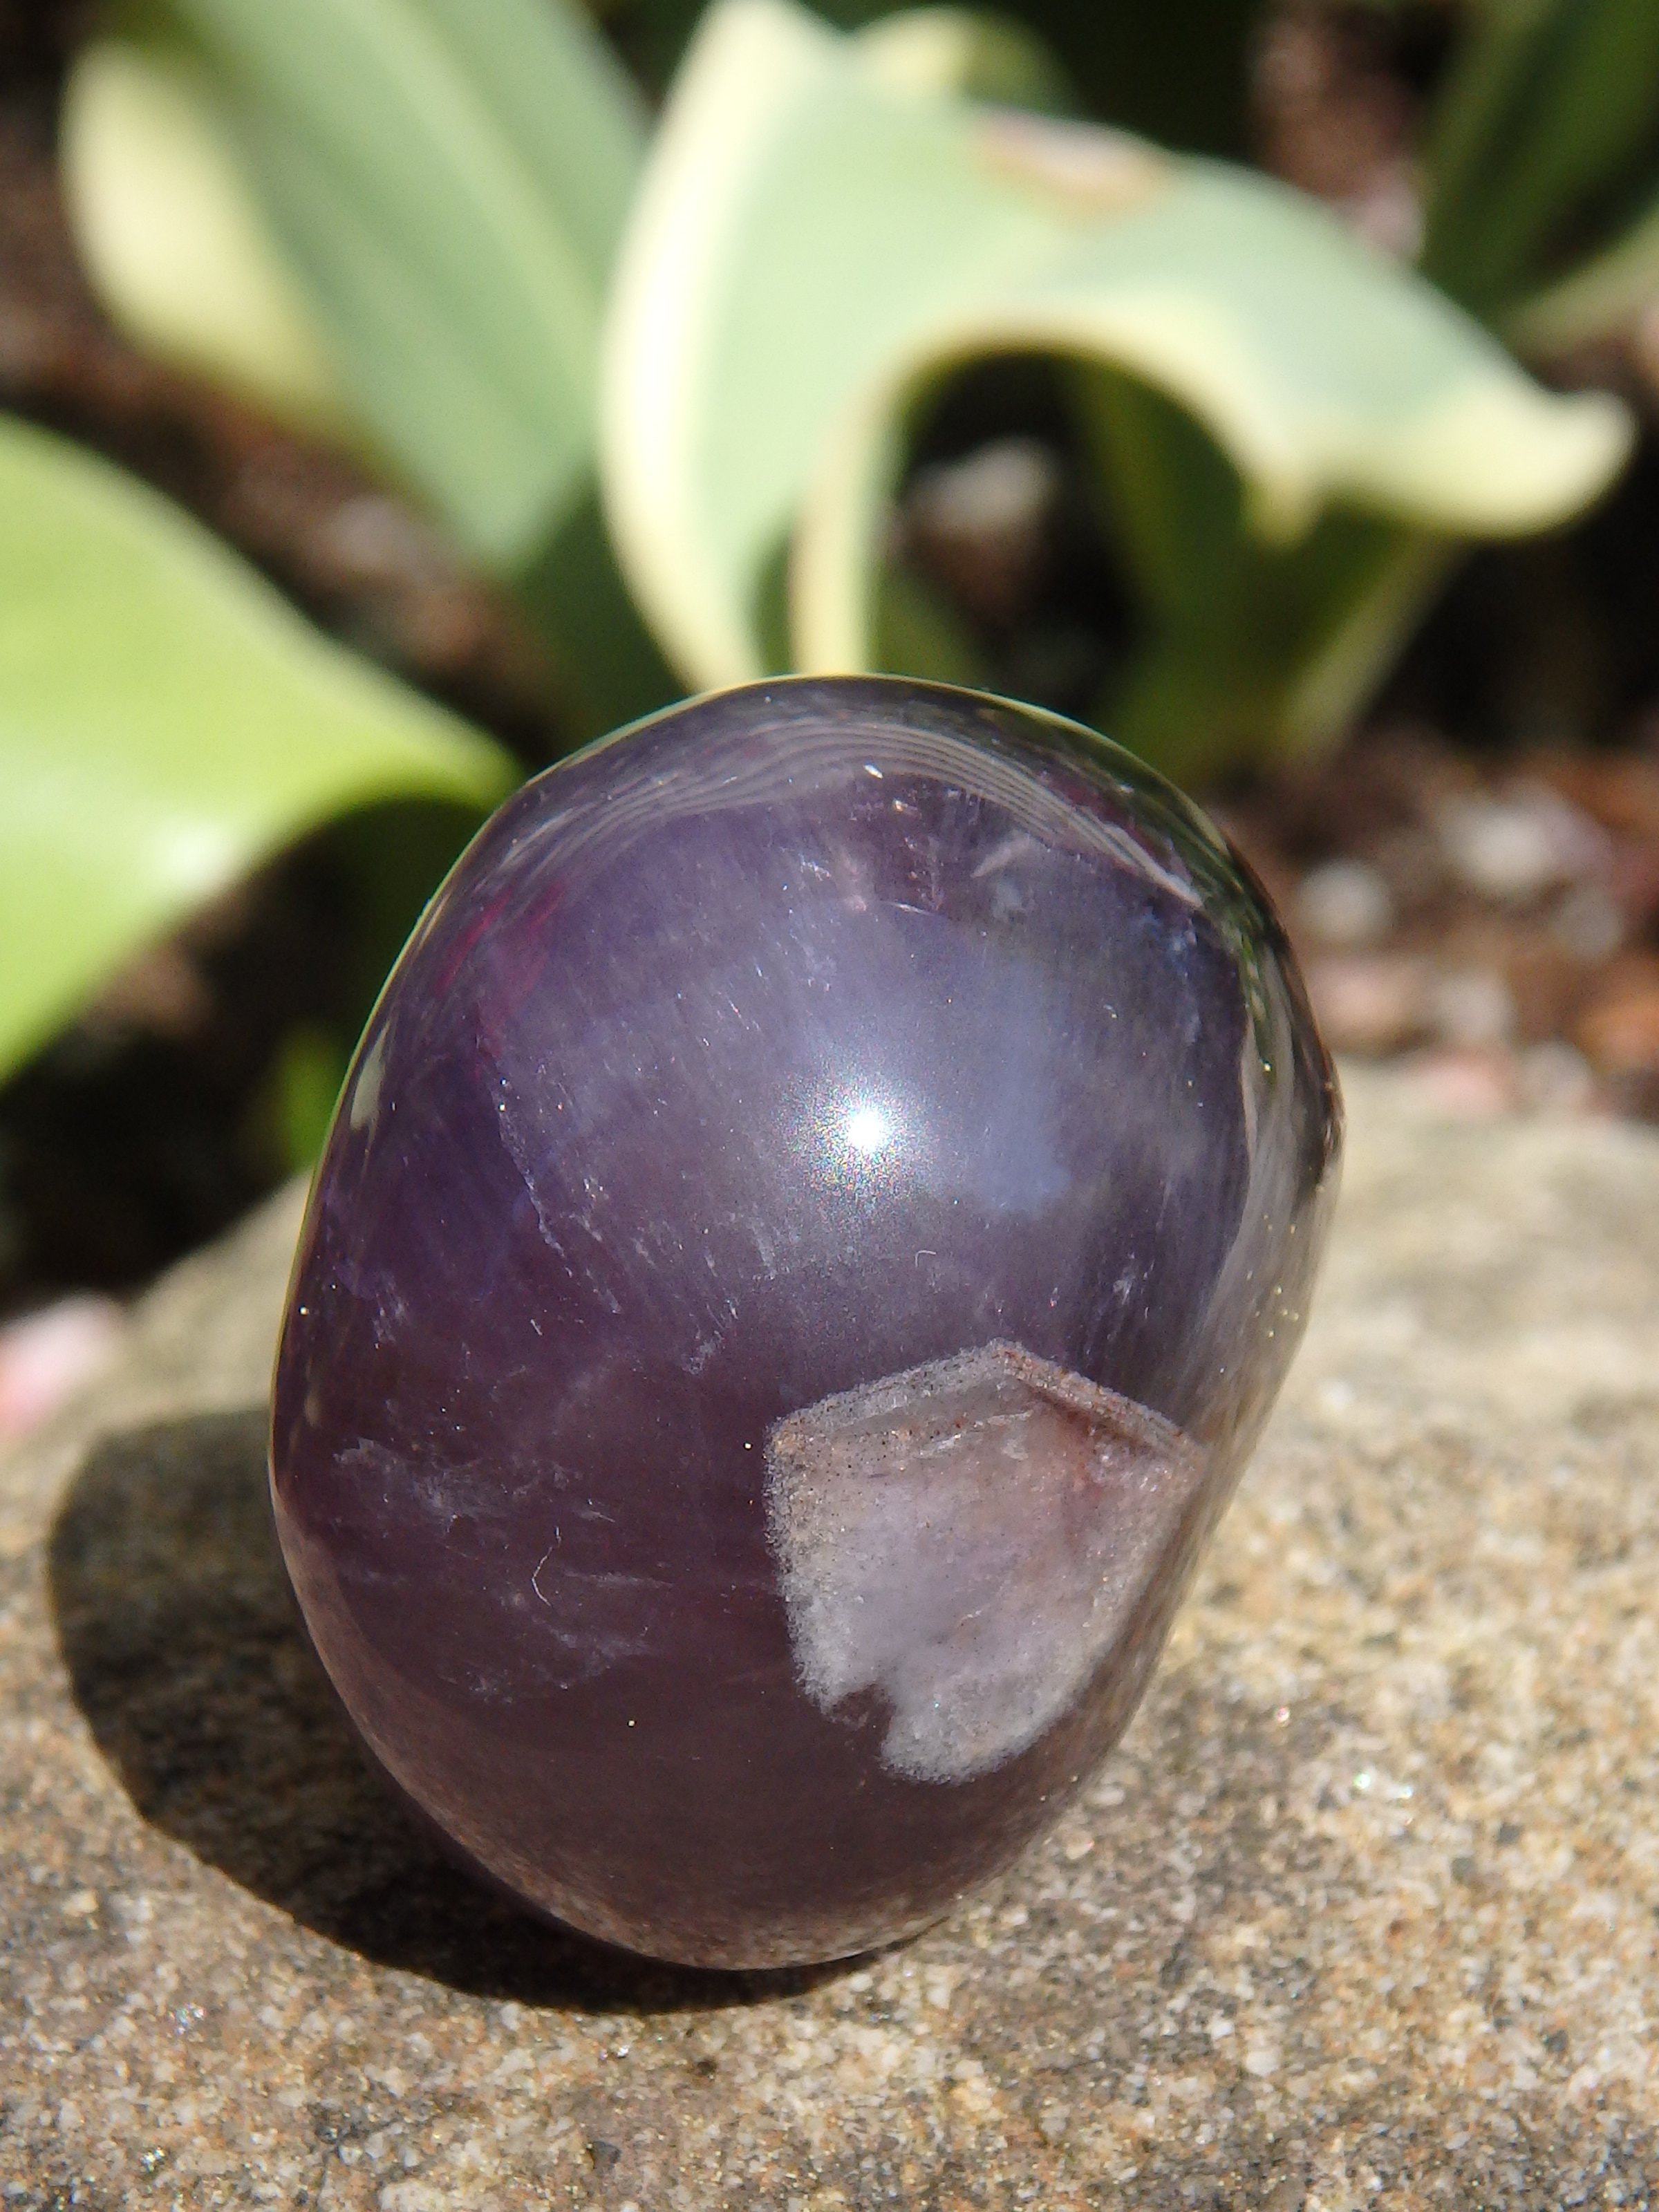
(817, 1218)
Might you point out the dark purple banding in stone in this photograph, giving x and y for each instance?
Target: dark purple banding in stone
(817, 1218)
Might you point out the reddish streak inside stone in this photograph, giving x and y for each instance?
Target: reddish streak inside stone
(819, 1213)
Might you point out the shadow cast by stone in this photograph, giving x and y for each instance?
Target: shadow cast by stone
(185, 1653)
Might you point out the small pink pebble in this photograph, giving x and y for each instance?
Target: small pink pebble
(45, 1355)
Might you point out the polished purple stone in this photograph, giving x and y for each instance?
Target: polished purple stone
(816, 1219)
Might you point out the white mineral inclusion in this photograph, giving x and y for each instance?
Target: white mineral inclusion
(968, 1539)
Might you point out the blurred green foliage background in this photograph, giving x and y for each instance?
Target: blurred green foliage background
(660, 315)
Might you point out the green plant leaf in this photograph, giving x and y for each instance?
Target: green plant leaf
(987, 56)
(450, 177)
(174, 240)
(1601, 298)
(166, 722)
(426, 196)
(1246, 642)
(1547, 126)
(812, 248)
(302, 1091)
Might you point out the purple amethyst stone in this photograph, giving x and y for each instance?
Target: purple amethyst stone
(817, 1220)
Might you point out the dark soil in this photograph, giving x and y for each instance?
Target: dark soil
(1474, 881)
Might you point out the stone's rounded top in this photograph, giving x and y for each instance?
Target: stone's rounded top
(809, 735)
(792, 743)
(834, 1035)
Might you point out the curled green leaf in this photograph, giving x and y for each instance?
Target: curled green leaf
(167, 722)
(812, 248)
